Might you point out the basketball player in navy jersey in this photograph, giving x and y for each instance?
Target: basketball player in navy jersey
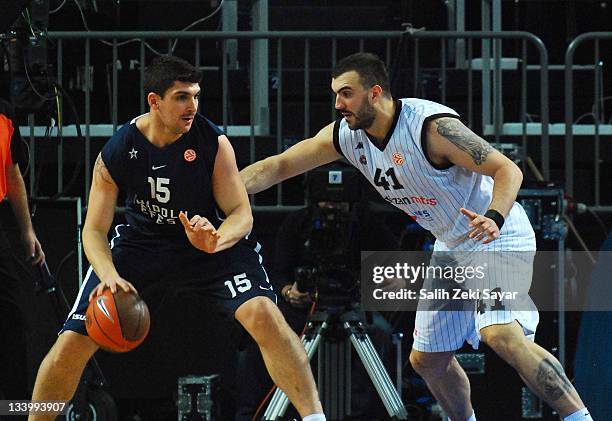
(176, 167)
(422, 159)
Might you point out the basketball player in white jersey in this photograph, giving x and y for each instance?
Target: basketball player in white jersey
(422, 159)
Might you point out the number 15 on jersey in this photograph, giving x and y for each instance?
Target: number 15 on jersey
(159, 189)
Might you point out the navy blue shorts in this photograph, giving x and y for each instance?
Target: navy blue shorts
(231, 277)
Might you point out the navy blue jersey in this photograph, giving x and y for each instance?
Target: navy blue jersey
(161, 182)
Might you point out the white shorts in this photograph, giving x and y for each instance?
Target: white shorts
(445, 326)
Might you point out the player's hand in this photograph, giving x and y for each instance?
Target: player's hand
(484, 229)
(113, 282)
(297, 298)
(33, 249)
(200, 232)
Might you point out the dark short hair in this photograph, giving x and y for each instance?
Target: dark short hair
(165, 70)
(372, 71)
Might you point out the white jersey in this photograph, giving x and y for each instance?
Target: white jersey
(402, 173)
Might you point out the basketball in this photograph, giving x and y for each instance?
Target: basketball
(117, 322)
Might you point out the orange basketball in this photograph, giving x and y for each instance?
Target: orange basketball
(117, 322)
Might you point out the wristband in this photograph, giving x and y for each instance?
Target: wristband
(496, 217)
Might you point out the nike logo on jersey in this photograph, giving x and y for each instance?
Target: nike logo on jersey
(158, 167)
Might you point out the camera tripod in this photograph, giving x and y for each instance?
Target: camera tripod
(332, 335)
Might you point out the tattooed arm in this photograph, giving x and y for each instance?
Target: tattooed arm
(100, 214)
(451, 142)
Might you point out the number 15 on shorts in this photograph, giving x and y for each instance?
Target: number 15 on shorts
(239, 284)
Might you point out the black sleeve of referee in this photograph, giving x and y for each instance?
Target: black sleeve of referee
(18, 152)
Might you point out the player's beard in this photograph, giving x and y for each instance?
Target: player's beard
(364, 117)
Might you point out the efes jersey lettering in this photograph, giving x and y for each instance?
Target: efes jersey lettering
(161, 182)
(403, 175)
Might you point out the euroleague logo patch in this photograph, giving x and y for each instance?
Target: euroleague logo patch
(363, 160)
(189, 155)
(398, 158)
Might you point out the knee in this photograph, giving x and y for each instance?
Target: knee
(70, 351)
(430, 363)
(505, 344)
(261, 318)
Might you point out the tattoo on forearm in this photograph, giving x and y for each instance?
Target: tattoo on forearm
(464, 139)
(100, 170)
(552, 380)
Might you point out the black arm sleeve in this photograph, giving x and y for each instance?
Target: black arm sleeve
(18, 152)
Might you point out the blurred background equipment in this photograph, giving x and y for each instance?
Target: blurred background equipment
(10, 12)
(31, 80)
(196, 398)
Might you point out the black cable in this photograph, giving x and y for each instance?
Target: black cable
(201, 20)
(59, 271)
(27, 74)
(38, 175)
(26, 170)
(79, 164)
(399, 54)
(109, 91)
(25, 268)
(396, 65)
(58, 8)
(52, 288)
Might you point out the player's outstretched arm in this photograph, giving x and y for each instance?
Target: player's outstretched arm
(231, 197)
(450, 141)
(100, 214)
(301, 157)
